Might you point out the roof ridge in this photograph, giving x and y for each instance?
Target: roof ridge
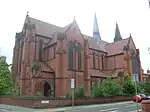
(45, 22)
(118, 41)
(93, 38)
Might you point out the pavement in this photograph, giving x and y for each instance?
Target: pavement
(128, 106)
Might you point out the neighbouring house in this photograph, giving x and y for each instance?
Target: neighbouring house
(146, 76)
(46, 57)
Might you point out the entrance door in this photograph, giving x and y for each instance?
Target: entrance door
(47, 89)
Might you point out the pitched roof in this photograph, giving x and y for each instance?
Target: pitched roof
(43, 28)
(116, 47)
(51, 31)
(94, 45)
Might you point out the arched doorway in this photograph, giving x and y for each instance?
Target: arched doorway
(47, 89)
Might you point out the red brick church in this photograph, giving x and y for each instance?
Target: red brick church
(46, 57)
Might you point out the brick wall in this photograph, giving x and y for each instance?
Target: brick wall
(146, 106)
(37, 103)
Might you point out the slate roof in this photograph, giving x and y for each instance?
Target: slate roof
(94, 45)
(116, 47)
(51, 31)
(43, 28)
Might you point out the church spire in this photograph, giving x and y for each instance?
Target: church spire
(117, 34)
(96, 34)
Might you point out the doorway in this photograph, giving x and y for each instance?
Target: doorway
(47, 89)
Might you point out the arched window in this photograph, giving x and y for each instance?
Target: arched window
(40, 49)
(79, 47)
(20, 54)
(94, 59)
(70, 55)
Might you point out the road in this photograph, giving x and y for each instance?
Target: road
(115, 107)
(111, 107)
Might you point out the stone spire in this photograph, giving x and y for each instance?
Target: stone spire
(117, 34)
(96, 34)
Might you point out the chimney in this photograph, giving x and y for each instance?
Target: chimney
(3, 58)
(148, 71)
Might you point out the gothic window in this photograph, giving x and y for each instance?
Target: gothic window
(102, 61)
(134, 65)
(79, 57)
(54, 52)
(70, 55)
(40, 49)
(99, 60)
(94, 54)
(20, 55)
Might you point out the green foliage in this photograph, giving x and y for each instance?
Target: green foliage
(38, 93)
(5, 78)
(96, 90)
(111, 87)
(128, 86)
(78, 93)
(14, 92)
(144, 87)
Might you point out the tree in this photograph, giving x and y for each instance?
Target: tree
(5, 78)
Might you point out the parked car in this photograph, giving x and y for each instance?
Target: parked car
(140, 97)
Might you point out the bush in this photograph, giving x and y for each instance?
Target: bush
(128, 86)
(143, 87)
(96, 90)
(78, 93)
(111, 87)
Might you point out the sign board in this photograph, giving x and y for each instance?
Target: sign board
(45, 101)
(72, 83)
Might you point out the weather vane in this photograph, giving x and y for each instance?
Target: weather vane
(74, 17)
(27, 13)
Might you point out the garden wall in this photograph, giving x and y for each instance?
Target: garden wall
(47, 103)
(146, 106)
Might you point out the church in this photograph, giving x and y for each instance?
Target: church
(46, 57)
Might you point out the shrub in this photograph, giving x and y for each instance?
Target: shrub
(144, 87)
(128, 86)
(38, 93)
(111, 87)
(78, 93)
(96, 90)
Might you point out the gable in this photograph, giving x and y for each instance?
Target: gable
(132, 45)
(74, 34)
(42, 28)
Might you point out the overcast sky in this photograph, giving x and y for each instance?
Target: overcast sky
(133, 16)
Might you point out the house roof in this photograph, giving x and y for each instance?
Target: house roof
(116, 47)
(43, 28)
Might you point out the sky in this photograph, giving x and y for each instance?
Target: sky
(132, 16)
